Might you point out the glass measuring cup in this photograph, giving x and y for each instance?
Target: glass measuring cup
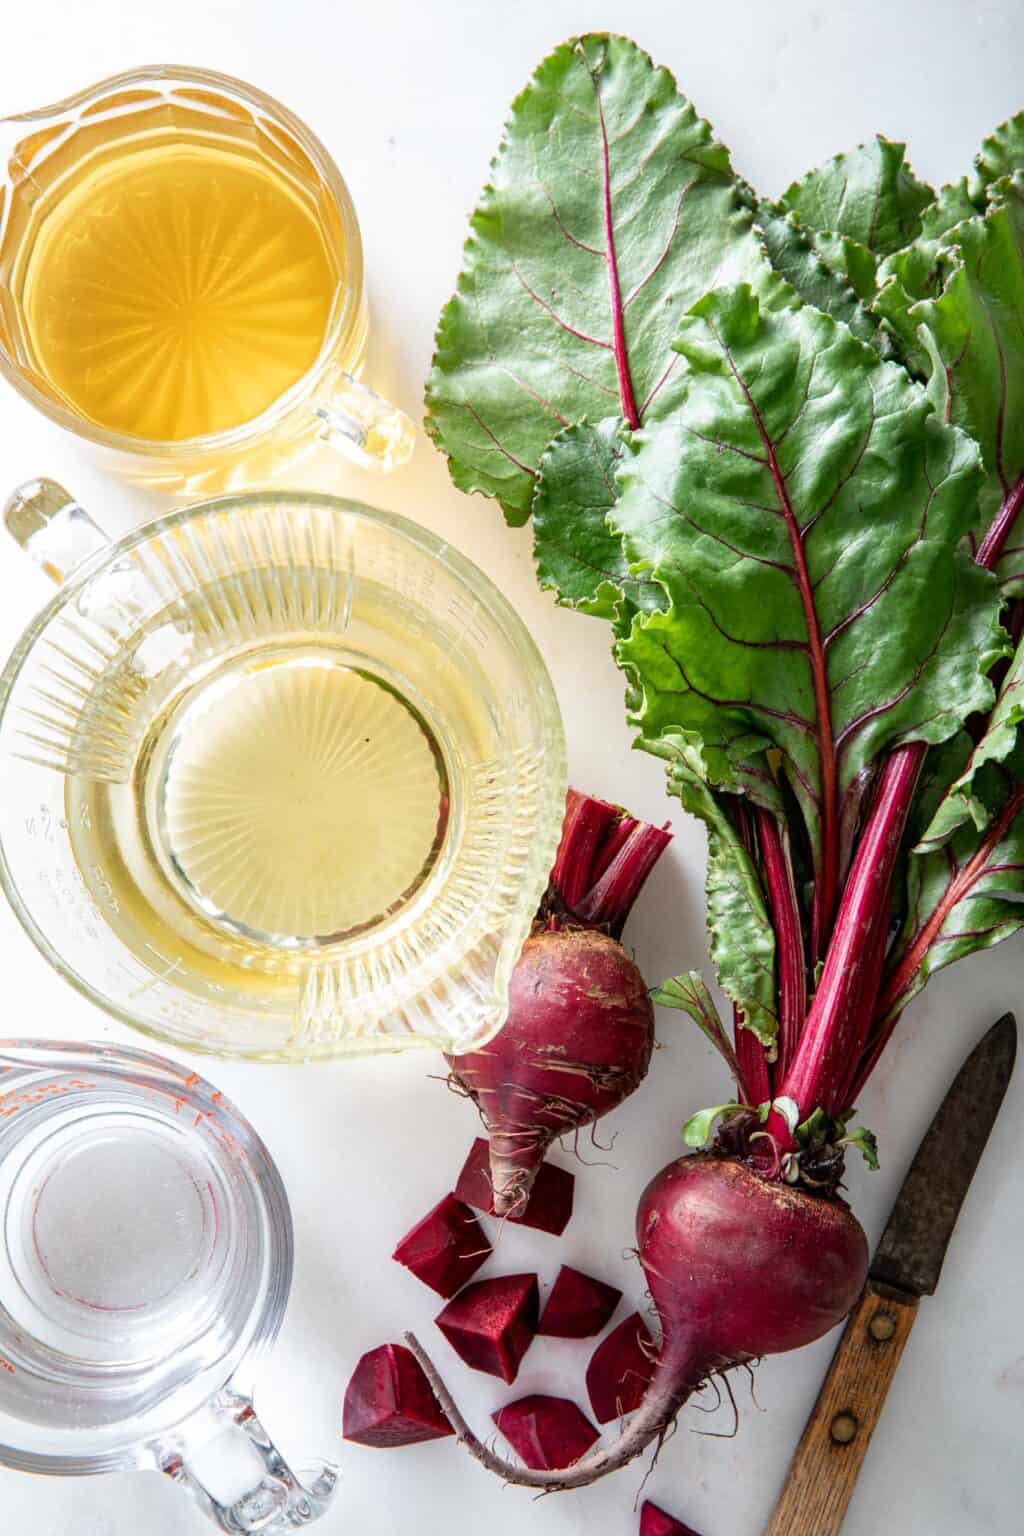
(59, 167)
(284, 776)
(145, 1263)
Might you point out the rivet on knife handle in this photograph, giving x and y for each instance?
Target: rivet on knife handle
(824, 1470)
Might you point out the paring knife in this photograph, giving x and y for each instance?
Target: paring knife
(906, 1267)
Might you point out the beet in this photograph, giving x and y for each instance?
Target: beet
(577, 1041)
(549, 1206)
(580, 1026)
(491, 1323)
(620, 1370)
(579, 1306)
(546, 1432)
(738, 1266)
(655, 1522)
(389, 1401)
(446, 1248)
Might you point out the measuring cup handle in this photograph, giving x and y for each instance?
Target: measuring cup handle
(363, 425)
(266, 1496)
(52, 527)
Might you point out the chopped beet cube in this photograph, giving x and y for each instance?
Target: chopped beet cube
(620, 1369)
(446, 1248)
(578, 1307)
(550, 1204)
(491, 1323)
(389, 1401)
(655, 1522)
(546, 1432)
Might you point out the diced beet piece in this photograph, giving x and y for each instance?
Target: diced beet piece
(389, 1401)
(491, 1323)
(579, 1306)
(655, 1522)
(546, 1433)
(446, 1248)
(550, 1204)
(620, 1369)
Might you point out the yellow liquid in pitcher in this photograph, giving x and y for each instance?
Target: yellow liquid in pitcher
(281, 804)
(177, 289)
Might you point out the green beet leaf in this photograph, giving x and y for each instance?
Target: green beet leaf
(610, 209)
(869, 194)
(1000, 155)
(741, 934)
(697, 1130)
(916, 273)
(979, 791)
(804, 510)
(578, 556)
(968, 894)
(794, 252)
(689, 993)
(974, 334)
(853, 261)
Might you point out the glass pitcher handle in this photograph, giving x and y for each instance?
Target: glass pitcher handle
(272, 1501)
(52, 527)
(363, 425)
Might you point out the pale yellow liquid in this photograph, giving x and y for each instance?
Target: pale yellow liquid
(281, 804)
(177, 289)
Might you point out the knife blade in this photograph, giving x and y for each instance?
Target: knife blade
(913, 1245)
(906, 1266)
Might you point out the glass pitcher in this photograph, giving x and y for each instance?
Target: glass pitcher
(283, 776)
(181, 283)
(145, 1263)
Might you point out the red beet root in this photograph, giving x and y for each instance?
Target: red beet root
(389, 1401)
(578, 1307)
(546, 1432)
(580, 1027)
(549, 1206)
(577, 1041)
(655, 1522)
(620, 1370)
(446, 1248)
(737, 1267)
(491, 1323)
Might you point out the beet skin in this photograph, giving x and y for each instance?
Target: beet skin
(577, 1041)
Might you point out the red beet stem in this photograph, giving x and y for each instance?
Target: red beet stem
(618, 835)
(753, 1078)
(994, 542)
(609, 901)
(843, 1007)
(586, 822)
(789, 944)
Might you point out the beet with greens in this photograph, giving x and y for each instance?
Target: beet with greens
(780, 449)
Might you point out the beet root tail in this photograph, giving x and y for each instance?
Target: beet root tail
(515, 1157)
(676, 1377)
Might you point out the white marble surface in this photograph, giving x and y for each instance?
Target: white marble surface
(410, 97)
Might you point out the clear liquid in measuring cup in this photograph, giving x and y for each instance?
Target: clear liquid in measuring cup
(141, 1241)
(282, 802)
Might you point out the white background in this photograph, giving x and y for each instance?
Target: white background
(410, 97)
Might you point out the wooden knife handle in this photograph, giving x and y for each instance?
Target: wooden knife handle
(824, 1469)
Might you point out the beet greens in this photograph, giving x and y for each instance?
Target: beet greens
(779, 447)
